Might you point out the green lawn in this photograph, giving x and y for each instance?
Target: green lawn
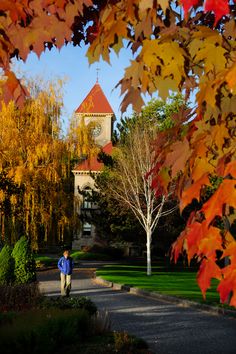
(177, 282)
(81, 255)
(45, 261)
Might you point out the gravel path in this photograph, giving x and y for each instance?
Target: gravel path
(168, 328)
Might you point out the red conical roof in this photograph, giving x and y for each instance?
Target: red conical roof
(93, 164)
(95, 102)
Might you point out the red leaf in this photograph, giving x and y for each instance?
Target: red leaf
(207, 271)
(187, 4)
(219, 7)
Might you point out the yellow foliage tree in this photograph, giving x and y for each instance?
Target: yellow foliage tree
(36, 158)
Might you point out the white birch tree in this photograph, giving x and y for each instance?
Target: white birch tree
(132, 185)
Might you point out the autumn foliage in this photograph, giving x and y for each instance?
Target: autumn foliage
(36, 197)
(186, 46)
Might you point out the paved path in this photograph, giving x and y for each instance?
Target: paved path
(168, 328)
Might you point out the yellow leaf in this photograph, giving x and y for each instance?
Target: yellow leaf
(164, 4)
(207, 34)
(213, 58)
(219, 133)
(164, 86)
(231, 78)
(206, 94)
(201, 167)
(145, 4)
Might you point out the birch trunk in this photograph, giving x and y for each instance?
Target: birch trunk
(148, 244)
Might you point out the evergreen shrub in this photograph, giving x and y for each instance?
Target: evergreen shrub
(25, 267)
(63, 303)
(6, 266)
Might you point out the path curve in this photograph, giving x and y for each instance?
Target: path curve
(168, 328)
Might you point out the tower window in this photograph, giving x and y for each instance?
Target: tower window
(87, 204)
(87, 228)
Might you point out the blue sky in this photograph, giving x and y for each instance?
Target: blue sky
(72, 63)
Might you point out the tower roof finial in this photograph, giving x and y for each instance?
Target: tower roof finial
(97, 74)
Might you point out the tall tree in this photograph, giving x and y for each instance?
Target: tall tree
(115, 220)
(131, 184)
(34, 157)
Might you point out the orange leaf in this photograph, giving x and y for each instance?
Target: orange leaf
(194, 234)
(230, 77)
(225, 194)
(208, 270)
(193, 192)
(210, 242)
(177, 246)
(230, 169)
(228, 285)
(13, 90)
(201, 167)
(230, 251)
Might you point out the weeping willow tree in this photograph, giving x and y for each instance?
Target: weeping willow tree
(36, 159)
(81, 142)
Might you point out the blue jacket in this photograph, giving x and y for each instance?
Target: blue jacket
(66, 265)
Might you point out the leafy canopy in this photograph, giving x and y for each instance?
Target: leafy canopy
(186, 46)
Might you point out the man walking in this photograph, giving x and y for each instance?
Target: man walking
(65, 265)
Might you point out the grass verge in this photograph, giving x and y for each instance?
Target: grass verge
(180, 282)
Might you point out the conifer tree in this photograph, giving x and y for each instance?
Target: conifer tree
(6, 266)
(25, 268)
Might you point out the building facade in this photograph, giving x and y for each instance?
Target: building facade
(94, 108)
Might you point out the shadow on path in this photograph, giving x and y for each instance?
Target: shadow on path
(168, 328)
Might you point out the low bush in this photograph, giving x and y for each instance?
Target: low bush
(44, 331)
(44, 261)
(7, 317)
(64, 303)
(125, 343)
(58, 331)
(6, 266)
(101, 323)
(109, 343)
(19, 297)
